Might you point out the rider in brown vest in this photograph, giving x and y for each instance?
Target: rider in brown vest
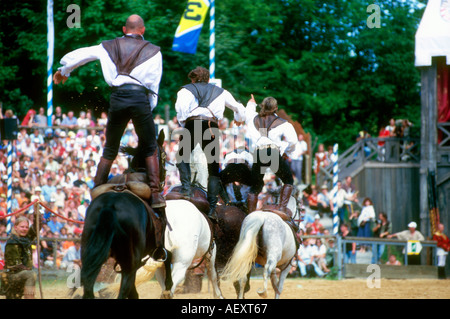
(132, 67)
(200, 106)
(273, 138)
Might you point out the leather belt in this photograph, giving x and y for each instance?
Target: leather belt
(202, 118)
(205, 118)
(130, 87)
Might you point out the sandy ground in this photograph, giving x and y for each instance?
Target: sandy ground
(299, 289)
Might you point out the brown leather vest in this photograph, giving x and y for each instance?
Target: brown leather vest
(205, 93)
(129, 51)
(266, 123)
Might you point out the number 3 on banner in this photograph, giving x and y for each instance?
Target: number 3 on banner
(190, 12)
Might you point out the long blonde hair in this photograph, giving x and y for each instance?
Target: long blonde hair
(17, 222)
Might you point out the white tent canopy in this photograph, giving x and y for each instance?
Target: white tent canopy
(433, 35)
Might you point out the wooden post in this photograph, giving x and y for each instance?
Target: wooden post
(38, 245)
(428, 139)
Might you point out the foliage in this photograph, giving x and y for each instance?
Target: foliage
(319, 59)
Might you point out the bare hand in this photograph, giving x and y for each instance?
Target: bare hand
(252, 99)
(58, 77)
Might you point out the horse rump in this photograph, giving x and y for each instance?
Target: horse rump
(96, 243)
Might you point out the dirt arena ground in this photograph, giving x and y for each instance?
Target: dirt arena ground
(299, 289)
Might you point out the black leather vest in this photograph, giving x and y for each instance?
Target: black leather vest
(129, 51)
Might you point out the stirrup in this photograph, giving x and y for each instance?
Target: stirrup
(213, 217)
(165, 254)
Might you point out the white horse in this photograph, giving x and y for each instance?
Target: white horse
(267, 240)
(188, 238)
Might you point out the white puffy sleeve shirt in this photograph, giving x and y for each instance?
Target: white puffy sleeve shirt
(283, 136)
(148, 73)
(187, 106)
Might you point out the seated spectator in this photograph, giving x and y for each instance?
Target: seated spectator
(29, 118)
(393, 261)
(54, 224)
(330, 254)
(306, 259)
(313, 198)
(320, 256)
(316, 225)
(48, 190)
(47, 249)
(72, 256)
(40, 119)
(350, 248)
(324, 201)
(70, 121)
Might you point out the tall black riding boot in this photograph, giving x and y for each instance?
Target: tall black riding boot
(152, 167)
(214, 186)
(160, 252)
(252, 202)
(185, 179)
(285, 196)
(103, 168)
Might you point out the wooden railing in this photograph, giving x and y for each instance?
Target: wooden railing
(444, 135)
(380, 149)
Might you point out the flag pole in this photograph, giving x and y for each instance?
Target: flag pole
(335, 190)
(212, 40)
(50, 46)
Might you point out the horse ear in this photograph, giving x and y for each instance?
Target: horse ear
(161, 137)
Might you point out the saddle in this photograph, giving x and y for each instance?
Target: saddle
(198, 197)
(135, 183)
(274, 209)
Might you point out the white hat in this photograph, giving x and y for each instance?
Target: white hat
(317, 216)
(38, 189)
(412, 225)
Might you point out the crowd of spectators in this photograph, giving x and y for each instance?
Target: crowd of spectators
(57, 165)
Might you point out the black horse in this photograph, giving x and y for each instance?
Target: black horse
(117, 225)
(120, 225)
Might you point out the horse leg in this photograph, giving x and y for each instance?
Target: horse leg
(178, 274)
(88, 284)
(212, 274)
(88, 291)
(277, 284)
(241, 284)
(127, 286)
(164, 277)
(241, 289)
(269, 268)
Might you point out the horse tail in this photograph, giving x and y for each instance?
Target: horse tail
(246, 250)
(97, 248)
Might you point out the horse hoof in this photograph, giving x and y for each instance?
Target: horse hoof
(262, 293)
(166, 295)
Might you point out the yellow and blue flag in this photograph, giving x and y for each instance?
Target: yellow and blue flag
(191, 23)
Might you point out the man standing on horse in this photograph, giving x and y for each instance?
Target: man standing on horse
(132, 67)
(200, 106)
(273, 138)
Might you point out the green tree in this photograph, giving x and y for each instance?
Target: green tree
(319, 59)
